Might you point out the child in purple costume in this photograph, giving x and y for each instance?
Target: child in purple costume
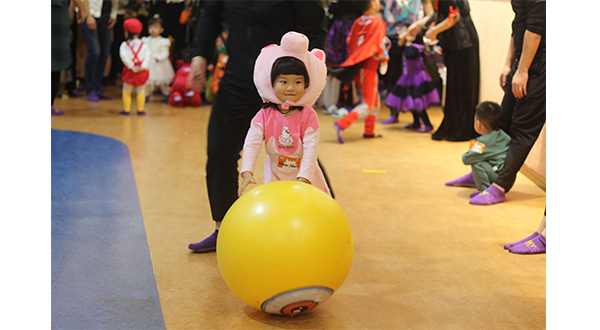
(414, 91)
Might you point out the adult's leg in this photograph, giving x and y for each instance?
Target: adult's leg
(104, 41)
(231, 115)
(526, 122)
(232, 112)
(93, 45)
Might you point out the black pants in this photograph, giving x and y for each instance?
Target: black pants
(232, 112)
(523, 119)
(55, 83)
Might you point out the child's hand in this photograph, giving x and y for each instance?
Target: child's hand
(247, 178)
(302, 180)
(136, 69)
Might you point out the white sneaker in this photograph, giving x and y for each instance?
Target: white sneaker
(340, 113)
(330, 109)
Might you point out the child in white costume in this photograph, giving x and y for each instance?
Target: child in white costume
(161, 69)
(289, 79)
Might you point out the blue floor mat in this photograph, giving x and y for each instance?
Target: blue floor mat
(102, 275)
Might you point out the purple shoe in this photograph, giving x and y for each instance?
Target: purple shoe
(141, 113)
(474, 194)
(390, 120)
(492, 195)
(93, 97)
(533, 246)
(339, 132)
(104, 97)
(530, 237)
(425, 129)
(371, 136)
(56, 112)
(207, 245)
(123, 112)
(464, 181)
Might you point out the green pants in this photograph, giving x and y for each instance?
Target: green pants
(484, 174)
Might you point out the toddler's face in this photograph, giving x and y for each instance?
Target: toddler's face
(155, 30)
(289, 87)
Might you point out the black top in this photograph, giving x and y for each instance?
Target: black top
(529, 15)
(252, 26)
(458, 36)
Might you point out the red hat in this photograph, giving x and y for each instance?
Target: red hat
(132, 25)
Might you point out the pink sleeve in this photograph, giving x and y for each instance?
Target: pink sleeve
(253, 143)
(310, 144)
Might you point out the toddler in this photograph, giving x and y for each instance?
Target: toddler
(414, 91)
(161, 69)
(366, 50)
(289, 79)
(135, 56)
(486, 153)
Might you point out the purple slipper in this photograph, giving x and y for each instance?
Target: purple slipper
(530, 237)
(390, 120)
(339, 131)
(123, 112)
(532, 246)
(56, 112)
(370, 136)
(491, 195)
(93, 97)
(206, 245)
(425, 129)
(141, 113)
(464, 181)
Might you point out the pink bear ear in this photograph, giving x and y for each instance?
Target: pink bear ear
(319, 54)
(269, 46)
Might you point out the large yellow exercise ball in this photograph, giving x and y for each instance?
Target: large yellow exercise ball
(284, 247)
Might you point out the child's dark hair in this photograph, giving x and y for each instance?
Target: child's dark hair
(155, 20)
(289, 65)
(364, 5)
(489, 114)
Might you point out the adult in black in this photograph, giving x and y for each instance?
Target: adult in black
(524, 104)
(252, 25)
(458, 38)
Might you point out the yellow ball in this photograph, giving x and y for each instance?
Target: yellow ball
(284, 247)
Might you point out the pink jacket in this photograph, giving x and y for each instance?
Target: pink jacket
(291, 144)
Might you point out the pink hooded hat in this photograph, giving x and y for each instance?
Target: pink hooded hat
(292, 44)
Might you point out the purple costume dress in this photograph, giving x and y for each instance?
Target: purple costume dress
(414, 91)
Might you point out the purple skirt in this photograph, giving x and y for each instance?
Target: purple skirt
(414, 91)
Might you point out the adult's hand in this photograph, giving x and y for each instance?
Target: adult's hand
(504, 76)
(519, 84)
(197, 77)
(111, 23)
(91, 22)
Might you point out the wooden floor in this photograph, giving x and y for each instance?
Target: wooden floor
(424, 258)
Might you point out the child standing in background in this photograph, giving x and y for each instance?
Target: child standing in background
(161, 69)
(487, 153)
(289, 79)
(366, 49)
(135, 56)
(414, 91)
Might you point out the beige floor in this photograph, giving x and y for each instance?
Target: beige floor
(424, 258)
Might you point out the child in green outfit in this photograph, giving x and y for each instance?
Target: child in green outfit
(486, 153)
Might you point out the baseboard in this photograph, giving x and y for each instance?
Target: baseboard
(534, 176)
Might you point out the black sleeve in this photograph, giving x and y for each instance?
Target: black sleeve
(208, 27)
(536, 17)
(311, 18)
